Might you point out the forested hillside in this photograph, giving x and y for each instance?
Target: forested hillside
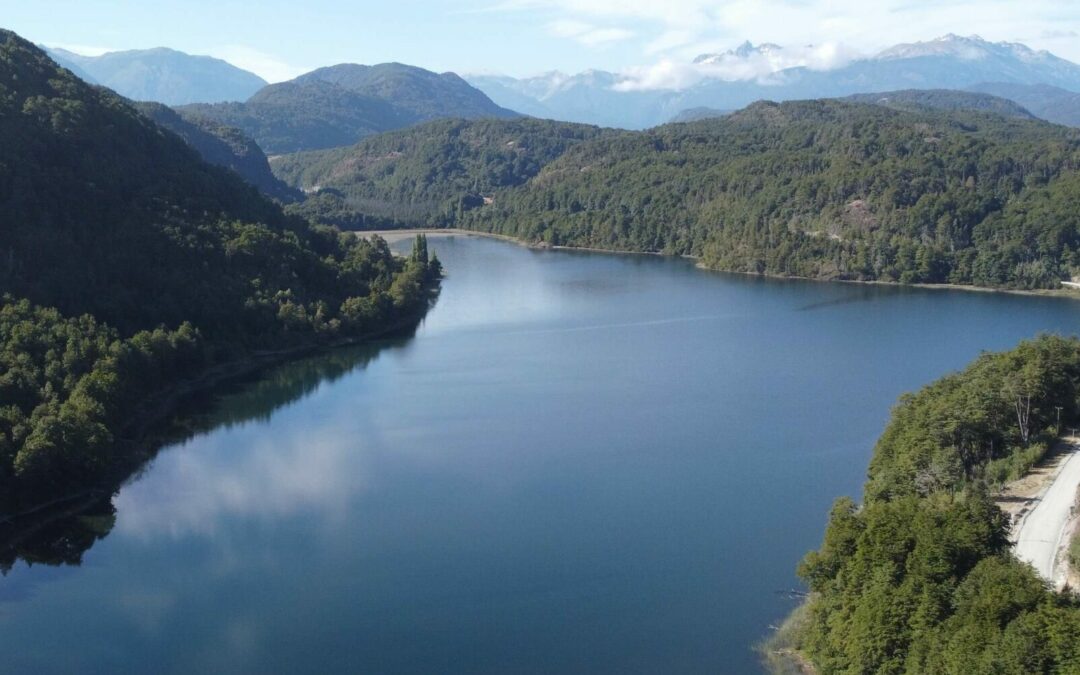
(224, 146)
(429, 175)
(920, 578)
(823, 189)
(127, 263)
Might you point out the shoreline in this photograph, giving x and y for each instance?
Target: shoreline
(394, 236)
(143, 430)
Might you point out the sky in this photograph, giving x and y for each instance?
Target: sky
(651, 38)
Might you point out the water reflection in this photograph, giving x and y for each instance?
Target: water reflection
(194, 490)
(59, 538)
(546, 479)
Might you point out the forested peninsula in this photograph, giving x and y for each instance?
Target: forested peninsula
(920, 578)
(128, 267)
(922, 191)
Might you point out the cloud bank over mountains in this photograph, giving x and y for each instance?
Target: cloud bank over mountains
(746, 62)
(678, 30)
(731, 79)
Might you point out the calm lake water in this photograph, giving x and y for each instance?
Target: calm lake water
(581, 463)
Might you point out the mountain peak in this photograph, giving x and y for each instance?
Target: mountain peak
(744, 51)
(971, 47)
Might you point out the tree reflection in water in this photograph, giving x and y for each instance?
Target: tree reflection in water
(63, 532)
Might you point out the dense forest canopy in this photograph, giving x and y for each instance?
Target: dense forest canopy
(429, 175)
(920, 578)
(822, 189)
(127, 264)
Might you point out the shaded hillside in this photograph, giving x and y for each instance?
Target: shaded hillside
(128, 264)
(428, 174)
(223, 146)
(294, 116)
(163, 75)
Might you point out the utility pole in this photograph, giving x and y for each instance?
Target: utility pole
(1058, 408)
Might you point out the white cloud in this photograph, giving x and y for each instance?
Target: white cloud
(756, 65)
(588, 34)
(83, 50)
(266, 66)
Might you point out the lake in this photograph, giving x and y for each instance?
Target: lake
(579, 463)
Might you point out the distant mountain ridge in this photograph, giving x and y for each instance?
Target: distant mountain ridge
(162, 75)
(1045, 101)
(426, 94)
(340, 105)
(948, 62)
(698, 114)
(945, 99)
(905, 99)
(589, 97)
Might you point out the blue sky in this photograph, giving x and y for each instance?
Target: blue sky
(280, 39)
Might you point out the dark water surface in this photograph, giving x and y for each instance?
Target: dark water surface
(581, 463)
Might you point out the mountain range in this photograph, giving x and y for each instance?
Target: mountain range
(734, 79)
(162, 75)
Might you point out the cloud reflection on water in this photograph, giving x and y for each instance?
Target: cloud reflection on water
(242, 473)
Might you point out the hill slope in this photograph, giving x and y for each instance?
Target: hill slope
(338, 106)
(128, 264)
(945, 99)
(425, 94)
(920, 578)
(163, 75)
(223, 146)
(698, 114)
(428, 174)
(1047, 102)
(822, 189)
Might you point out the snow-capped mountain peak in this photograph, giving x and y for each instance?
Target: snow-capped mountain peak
(970, 48)
(744, 51)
